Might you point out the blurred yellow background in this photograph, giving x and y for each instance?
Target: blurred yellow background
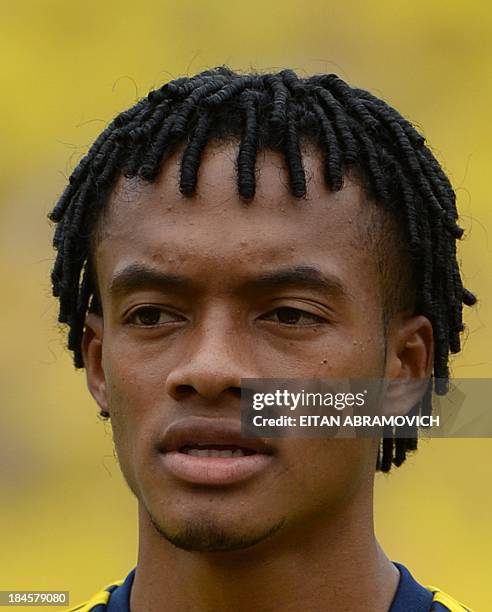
(68, 520)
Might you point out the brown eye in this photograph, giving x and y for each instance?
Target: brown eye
(293, 316)
(148, 316)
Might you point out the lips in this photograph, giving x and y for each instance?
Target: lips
(211, 451)
(215, 450)
(213, 433)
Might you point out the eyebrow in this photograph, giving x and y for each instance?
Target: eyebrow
(140, 276)
(137, 276)
(309, 277)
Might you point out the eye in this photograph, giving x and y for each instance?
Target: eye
(292, 316)
(149, 316)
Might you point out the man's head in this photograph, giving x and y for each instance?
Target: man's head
(232, 226)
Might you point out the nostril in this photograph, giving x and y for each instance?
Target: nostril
(184, 391)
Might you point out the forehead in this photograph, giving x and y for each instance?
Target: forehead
(216, 230)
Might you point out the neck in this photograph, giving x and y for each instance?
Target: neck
(335, 564)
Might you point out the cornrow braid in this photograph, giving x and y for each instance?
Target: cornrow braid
(246, 158)
(279, 111)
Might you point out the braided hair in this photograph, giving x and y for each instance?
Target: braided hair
(355, 131)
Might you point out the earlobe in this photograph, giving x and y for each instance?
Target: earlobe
(92, 344)
(409, 362)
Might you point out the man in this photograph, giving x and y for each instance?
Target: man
(235, 226)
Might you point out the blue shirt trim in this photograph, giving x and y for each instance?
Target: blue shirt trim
(119, 600)
(410, 595)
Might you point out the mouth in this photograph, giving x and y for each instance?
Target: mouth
(216, 450)
(211, 451)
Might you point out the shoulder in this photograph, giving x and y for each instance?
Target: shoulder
(442, 602)
(112, 598)
(412, 595)
(101, 598)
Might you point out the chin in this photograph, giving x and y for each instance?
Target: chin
(206, 534)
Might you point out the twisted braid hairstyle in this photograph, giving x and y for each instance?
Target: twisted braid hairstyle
(355, 131)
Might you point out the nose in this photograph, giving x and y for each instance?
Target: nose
(213, 363)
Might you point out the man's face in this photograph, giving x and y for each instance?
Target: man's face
(274, 288)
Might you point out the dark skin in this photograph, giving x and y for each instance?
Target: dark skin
(299, 533)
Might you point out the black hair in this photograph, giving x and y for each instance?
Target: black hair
(355, 131)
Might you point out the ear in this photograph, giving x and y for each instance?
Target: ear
(409, 360)
(92, 342)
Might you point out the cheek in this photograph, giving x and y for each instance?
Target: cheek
(358, 353)
(329, 472)
(133, 382)
(133, 392)
(352, 348)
